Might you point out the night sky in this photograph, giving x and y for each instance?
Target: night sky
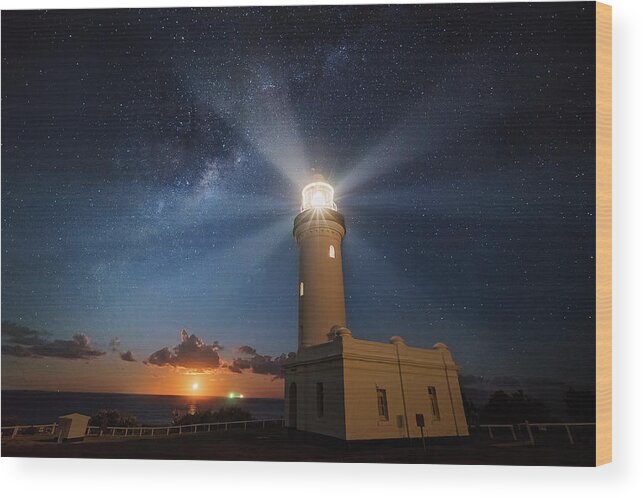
(152, 164)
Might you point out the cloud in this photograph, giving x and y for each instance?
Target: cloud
(127, 356)
(25, 342)
(17, 334)
(16, 350)
(194, 354)
(115, 344)
(78, 347)
(191, 353)
(259, 364)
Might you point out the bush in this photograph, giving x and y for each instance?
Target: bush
(227, 414)
(112, 418)
(503, 408)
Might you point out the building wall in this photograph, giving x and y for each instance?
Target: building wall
(369, 366)
(362, 378)
(352, 371)
(73, 426)
(322, 366)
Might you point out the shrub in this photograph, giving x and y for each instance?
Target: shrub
(112, 418)
(503, 408)
(226, 414)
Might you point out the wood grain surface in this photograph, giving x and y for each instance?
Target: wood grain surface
(603, 233)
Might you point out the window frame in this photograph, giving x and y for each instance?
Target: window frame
(382, 404)
(434, 405)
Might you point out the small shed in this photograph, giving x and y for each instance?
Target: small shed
(72, 427)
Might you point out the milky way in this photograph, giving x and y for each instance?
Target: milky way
(152, 162)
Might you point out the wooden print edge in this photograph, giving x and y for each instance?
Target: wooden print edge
(603, 233)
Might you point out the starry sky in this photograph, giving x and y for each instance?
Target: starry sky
(153, 159)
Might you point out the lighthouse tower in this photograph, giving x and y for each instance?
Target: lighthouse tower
(350, 388)
(319, 230)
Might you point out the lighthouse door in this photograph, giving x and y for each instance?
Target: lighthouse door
(292, 406)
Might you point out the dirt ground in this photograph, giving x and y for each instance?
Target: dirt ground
(280, 445)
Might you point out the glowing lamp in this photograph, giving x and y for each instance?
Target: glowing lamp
(318, 195)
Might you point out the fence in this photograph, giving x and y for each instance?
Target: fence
(94, 431)
(529, 425)
(15, 430)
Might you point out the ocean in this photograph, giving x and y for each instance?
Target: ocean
(44, 407)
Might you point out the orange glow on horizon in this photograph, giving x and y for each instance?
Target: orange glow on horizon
(110, 374)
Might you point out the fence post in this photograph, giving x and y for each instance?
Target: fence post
(513, 433)
(168, 431)
(141, 433)
(113, 431)
(490, 432)
(531, 436)
(14, 432)
(569, 434)
(180, 429)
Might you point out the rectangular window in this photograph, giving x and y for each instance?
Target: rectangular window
(301, 289)
(382, 404)
(320, 399)
(433, 399)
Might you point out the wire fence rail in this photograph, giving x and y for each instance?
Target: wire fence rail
(494, 430)
(529, 426)
(146, 431)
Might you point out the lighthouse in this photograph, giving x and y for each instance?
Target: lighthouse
(319, 230)
(349, 388)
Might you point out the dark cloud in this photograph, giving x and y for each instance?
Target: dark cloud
(191, 353)
(127, 356)
(17, 334)
(25, 342)
(247, 350)
(16, 350)
(78, 347)
(257, 363)
(115, 344)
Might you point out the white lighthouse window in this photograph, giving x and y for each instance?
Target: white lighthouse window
(319, 199)
(331, 251)
(301, 289)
